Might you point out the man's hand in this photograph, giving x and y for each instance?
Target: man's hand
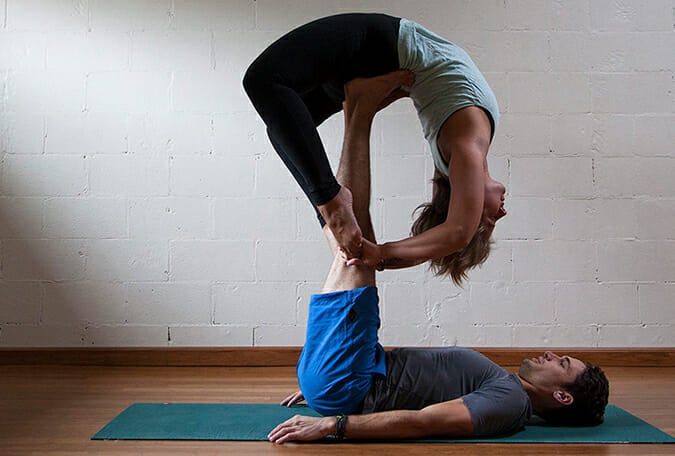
(293, 399)
(302, 428)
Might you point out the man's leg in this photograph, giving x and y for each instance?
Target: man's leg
(363, 99)
(342, 355)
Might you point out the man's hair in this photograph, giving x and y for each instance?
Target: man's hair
(457, 264)
(590, 391)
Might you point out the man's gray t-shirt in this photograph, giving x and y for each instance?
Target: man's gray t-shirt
(418, 377)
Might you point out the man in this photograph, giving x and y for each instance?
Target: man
(365, 393)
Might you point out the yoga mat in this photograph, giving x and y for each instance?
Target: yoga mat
(254, 421)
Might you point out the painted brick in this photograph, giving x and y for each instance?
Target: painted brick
(635, 336)
(88, 51)
(654, 136)
(398, 218)
(85, 218)
(125, 335)
(529, 15)
(527, 218)
(169, 303)
(613, 135)
(212, 261)
(130, 15)
(33, 92)
(128, 92)
(240, 135)
(553, 177)
(125, 260)
(209, 176)
(572, 135)
(128, 175)
(255, 303)
(32, 175)
(661, 210)
(21, 218)
(525, 134)
(629, 261)
(211, 336)
(292, 260)
(35, 336)
(85, 302)
(209, 92)
(633, 100)
(403, 304)
(21, 302)
(397, 134)
(170, 50)
(399, 176)
(21, 51)
(593, 303)
(267, 219)
(657, 303)
(174, 133)
(649, 51)
(554, 261)
(630, 15)
(45, 259)
(499, 265)
(86, 134)
(501, 303)
(625, 177)
(572, 15)
(213, 14)
(46, 15)
(464, 15)
(273, 180)
(279, 336)
(169, 218)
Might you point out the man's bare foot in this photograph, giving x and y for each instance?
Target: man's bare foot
(339, 216)
(374, 94)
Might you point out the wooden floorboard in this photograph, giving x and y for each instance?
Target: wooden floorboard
(56, 409)
(288, 356)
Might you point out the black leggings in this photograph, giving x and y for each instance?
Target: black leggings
(297, 83)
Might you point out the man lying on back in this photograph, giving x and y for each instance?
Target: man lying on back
(367, 393)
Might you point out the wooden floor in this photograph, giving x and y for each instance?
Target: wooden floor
(56, 409)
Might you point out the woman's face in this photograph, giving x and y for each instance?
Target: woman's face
(493, 207)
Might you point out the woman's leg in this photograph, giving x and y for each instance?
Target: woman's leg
(296, 83)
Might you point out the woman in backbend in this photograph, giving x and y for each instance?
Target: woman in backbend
(298, 82)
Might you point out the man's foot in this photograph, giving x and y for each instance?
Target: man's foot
(374, 94)
(339, 216)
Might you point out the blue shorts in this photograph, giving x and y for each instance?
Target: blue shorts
(342, 355)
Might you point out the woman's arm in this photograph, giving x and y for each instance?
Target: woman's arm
(450, 418)
(465, 139)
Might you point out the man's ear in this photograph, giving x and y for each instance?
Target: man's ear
(563, 397)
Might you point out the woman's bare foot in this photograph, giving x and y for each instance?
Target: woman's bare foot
(373, 94)
(339, 216)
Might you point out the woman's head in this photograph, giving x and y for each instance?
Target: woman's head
(457, 264)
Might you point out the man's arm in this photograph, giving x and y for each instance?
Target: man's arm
(446, 419)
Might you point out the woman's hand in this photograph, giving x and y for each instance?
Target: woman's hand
(302, 428)
(293, 399)
(371, 255)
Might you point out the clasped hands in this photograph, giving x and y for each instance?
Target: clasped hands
(371, 256)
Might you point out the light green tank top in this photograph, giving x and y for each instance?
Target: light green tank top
(446, 81)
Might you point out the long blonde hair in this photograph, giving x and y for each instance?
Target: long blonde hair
(457, 264)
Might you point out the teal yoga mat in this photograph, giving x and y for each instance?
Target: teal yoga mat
(254, 421)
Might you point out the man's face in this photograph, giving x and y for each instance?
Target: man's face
(551, 372)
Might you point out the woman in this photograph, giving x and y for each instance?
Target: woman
(298, 82)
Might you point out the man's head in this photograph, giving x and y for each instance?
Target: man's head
(564, 390)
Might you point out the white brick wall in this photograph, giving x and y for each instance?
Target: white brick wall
(142, 204)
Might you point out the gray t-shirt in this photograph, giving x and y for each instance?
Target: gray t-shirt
(418, 377)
